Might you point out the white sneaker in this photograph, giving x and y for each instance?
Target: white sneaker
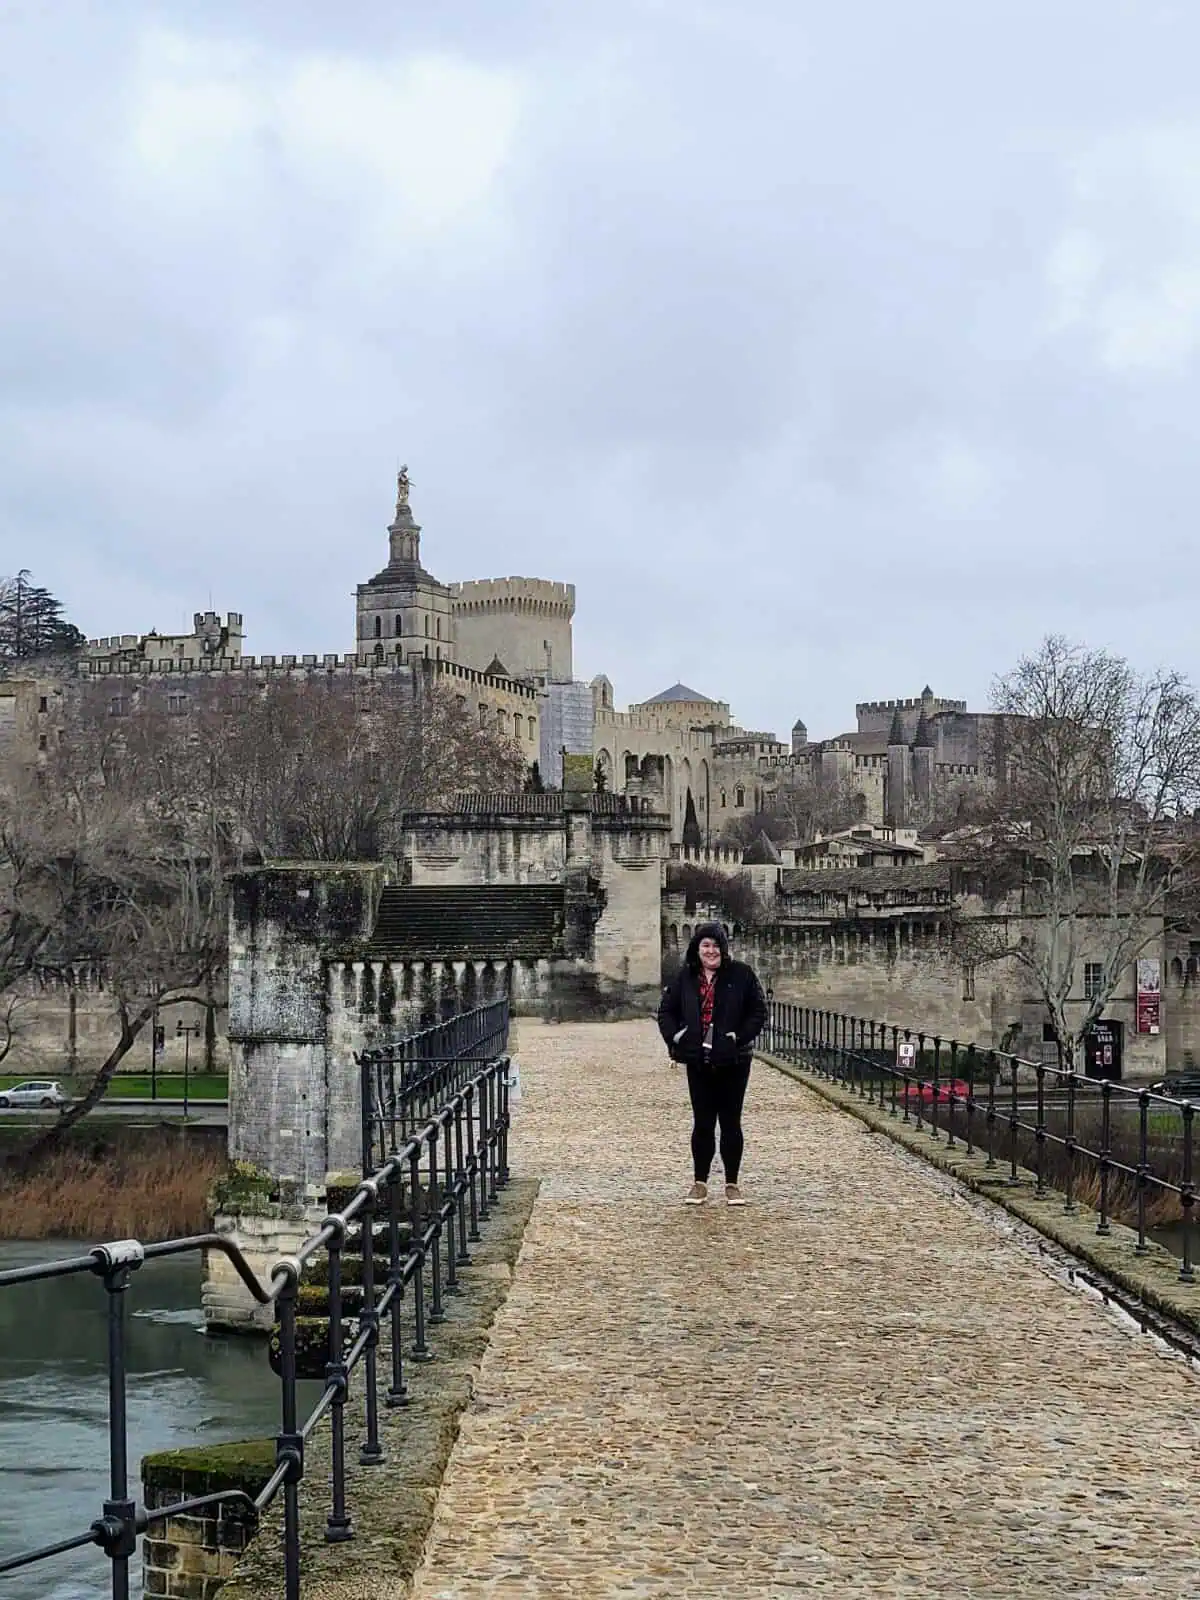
(696, 1195)
(733, 1195)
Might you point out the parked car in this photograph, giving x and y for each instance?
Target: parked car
(1181, 1085)
(37, 1092)
(912, 1093)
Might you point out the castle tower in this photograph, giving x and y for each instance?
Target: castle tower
(899, 774)
(523, 622)
(923, 747)
(799, 738)
(404, 613)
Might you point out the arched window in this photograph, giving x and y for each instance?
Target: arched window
(399, 624)
(532, 728)
(739, 796)
(379, 627)
(517, 725)
(724, 802)
(427, 627)
(439, 627)
(427, 652)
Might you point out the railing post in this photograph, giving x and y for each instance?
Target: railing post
(934, 1113)
(990, 1120)
(1102, 1227)
(397, 1394)
(449, 1202)
(472, 1164)
(491, 1082)
(460, 1182)
(1069, 1144)
(364, 1093)
(433, 1213)
(1187, 1195)
(502, 1086)
(1141, 1248)
(117, 1528)
(337, 1524)
(420, 1350)
(372, 1450)
(1013, 1122)
(1039, 1133)
(289, 1442)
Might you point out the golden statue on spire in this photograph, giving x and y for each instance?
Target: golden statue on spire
(402, 487)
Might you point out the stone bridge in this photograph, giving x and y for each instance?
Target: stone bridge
(866, 1383)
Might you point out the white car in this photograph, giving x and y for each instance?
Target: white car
(37, 1092)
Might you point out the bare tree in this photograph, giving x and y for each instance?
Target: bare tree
(1082, 840)
(326, 770)
(121, 871)
(796, 812)
(732, 893)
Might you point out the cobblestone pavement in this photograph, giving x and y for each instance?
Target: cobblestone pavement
(855, 1386)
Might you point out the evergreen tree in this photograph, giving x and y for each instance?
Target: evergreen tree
(31, 622)
(692, 839)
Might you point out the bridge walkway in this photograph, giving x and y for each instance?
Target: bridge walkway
(857, 1386)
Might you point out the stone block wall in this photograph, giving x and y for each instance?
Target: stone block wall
(191, 1557)
(628, 934)
(280, 918)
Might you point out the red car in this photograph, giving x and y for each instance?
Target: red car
(923, 1092)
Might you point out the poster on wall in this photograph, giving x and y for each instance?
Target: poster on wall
(1149, 992)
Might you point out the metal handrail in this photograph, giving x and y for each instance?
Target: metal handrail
(443, 1179)
(865, 1055)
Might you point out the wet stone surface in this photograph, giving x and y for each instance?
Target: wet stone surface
(853, 1387)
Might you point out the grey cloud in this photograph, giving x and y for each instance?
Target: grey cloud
(755, 334)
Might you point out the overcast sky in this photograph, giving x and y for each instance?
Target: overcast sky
(829, 349)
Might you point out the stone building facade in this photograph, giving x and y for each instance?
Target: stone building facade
(904, 763)
(877, 943)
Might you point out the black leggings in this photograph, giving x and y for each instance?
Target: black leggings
(717, 1094)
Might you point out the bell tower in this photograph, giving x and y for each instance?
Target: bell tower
(404, 613)
(404, 535)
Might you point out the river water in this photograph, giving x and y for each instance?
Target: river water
(184, 1389)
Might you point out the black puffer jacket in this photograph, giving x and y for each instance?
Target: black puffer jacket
(739, 1007)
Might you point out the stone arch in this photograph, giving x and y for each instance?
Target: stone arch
(629, 768)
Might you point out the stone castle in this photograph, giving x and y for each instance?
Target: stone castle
(504, 647)
(587, 879)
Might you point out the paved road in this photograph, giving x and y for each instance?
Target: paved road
(854, 1387)
(210, 1112)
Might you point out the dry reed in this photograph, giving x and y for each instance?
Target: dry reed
(134, 1191)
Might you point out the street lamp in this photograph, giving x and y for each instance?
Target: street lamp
(185, 1031)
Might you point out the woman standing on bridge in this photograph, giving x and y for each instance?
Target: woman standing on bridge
(711, 1013)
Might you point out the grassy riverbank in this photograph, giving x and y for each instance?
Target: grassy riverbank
(113, 1189)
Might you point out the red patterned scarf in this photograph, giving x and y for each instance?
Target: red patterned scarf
(708, 986)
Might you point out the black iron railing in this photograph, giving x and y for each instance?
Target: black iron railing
(1023, 1114)
(426, 1199)
(402, 1081)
